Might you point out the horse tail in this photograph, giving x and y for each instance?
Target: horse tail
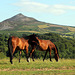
(10, 48)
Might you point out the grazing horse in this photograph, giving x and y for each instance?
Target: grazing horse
(19, 44)
(45, 45)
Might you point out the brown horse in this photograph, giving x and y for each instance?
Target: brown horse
(15, 43)
(45, 45)
(19, 44)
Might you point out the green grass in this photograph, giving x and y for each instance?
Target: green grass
(43, 26)
(63, 67)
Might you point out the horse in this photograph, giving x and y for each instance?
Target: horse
(45, 45)
(33, 41)
(15, 43)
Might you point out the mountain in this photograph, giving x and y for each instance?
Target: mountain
(21, 23)
(15, 21)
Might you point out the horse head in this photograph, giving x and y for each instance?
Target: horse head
(56, 57)
(33, 38)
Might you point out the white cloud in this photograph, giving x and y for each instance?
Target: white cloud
(65, 7)
(30, 6)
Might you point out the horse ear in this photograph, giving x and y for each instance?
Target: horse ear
(34, 34)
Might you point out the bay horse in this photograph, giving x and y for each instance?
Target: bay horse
(15, 43)
(45, 45)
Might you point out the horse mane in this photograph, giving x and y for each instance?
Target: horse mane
(57, 50)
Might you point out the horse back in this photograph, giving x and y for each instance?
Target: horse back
(43, 44)
(46, 43)
(24, 42)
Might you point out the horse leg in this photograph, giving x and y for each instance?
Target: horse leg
(33, 56)
(27, 53)
(31, 53)
(11, 54)
(50, 56)
(11, 57)
(56, 54)
(45, 55)
(20, 55)
(50, 53)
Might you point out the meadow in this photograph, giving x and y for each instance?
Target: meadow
(38, 67)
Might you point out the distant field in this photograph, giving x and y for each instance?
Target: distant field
(71, 29)
(63, 67)
(29, 31)
(43, 26)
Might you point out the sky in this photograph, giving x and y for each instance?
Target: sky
(60, 12)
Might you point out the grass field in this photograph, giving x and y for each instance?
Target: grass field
(43, 26)
(63, 67)
(71, 29)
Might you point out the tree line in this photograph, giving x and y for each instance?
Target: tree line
(66, 46)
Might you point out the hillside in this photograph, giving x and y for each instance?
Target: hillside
(21, 23)
(15, 21)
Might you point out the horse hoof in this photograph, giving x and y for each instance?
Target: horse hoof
(51, 60)
(11, 63)
(33, 60)
(28, 60)
(56, 61)
(43, 60)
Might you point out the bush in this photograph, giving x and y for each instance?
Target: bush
(2, 55)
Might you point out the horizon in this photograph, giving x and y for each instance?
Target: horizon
(55, 12)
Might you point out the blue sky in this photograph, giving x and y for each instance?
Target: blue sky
(60, 12)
